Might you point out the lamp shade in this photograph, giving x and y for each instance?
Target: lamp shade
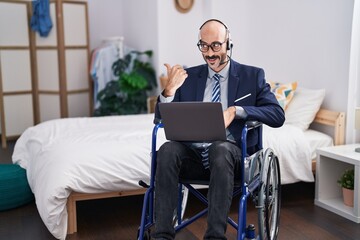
(357, 118)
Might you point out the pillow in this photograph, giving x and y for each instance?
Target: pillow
(304, 106)
(283, 92)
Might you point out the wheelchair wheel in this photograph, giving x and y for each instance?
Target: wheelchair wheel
(185, 194)
(269, 197)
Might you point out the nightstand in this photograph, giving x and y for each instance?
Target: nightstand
(331, 163)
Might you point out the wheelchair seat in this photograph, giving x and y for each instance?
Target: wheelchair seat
(258, 177)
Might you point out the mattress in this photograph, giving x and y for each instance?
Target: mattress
(317, 140)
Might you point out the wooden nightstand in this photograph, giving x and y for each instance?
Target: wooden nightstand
(331, 163)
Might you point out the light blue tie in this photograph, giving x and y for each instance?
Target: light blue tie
(215, 97)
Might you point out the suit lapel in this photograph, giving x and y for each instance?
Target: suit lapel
(201, 83)
(232, 84)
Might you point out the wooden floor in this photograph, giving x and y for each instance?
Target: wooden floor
(119, 218)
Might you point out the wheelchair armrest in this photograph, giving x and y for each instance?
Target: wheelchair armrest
(252, 124)
(157, 121)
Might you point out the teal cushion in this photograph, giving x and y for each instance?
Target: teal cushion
(14, 187)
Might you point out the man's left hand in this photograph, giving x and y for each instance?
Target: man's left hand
(229, 115)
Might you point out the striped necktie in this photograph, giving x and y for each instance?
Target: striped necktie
(215, 97)
(216, 90)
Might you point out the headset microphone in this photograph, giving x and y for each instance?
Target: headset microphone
(221, 63)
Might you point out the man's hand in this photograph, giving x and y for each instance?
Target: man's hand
(229, 115)
(176, 77)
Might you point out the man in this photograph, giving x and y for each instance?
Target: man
(244, 95)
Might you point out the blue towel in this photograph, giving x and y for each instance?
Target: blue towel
(40, 20)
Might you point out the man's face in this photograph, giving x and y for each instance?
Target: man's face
(214, 38)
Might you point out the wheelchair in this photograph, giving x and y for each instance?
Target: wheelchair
(259, 180)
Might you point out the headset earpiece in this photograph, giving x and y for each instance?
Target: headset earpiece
(229, 44)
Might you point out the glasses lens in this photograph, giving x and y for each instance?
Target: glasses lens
(203, 47)
(216, 46)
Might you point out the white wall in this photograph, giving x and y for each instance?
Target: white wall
(140, 24)
(178, 35)
(141, 27)
(105, 20)
(306, 41)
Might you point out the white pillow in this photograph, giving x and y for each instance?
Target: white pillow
(302, 109)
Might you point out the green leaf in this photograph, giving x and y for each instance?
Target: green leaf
(347, 179)
(127, 94)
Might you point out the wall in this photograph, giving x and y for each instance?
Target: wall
(306, 41)
(179, 35)
(105, 20)
(141, 26)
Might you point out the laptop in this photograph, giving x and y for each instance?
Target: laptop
(193, 121)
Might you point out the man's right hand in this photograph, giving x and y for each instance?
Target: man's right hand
(176, 77)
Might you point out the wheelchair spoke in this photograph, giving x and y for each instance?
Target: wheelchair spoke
(269, 199)
(184, 197)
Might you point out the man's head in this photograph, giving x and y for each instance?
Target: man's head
(214, 43)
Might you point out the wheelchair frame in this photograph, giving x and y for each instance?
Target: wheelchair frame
(260, 178)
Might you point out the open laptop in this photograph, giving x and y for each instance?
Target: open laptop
(193, 121)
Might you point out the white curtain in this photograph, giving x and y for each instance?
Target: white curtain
(352, 135)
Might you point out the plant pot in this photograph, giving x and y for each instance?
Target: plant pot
(348, 196)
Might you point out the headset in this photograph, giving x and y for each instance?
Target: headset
(229, 44)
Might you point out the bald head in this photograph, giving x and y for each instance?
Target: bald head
(214, 29)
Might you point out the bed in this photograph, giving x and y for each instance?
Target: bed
(75, 159)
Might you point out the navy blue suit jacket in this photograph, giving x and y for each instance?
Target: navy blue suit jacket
(261, 105)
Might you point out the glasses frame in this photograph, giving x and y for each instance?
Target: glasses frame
(211, 45)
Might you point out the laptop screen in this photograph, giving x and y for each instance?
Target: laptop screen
(193, 121)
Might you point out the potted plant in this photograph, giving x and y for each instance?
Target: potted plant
(346, 181)
(129, 92)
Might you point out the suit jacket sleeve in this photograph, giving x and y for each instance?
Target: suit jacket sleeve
(266, 109)
(261, 106)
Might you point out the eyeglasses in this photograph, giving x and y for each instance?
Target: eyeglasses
(215, 46)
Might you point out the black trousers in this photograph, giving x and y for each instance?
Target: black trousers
(175, 159)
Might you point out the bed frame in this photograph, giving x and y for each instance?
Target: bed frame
(335, 120)
(75, 197)
(324, 117)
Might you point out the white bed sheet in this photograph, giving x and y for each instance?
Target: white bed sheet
(89, 155)
(102, 154)
(293, 150)
(317, 140)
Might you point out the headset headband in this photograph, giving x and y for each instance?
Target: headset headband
(214, 20)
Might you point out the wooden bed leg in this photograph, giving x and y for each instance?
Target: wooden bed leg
(71, 208)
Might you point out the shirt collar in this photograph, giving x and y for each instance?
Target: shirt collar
(224, 72)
